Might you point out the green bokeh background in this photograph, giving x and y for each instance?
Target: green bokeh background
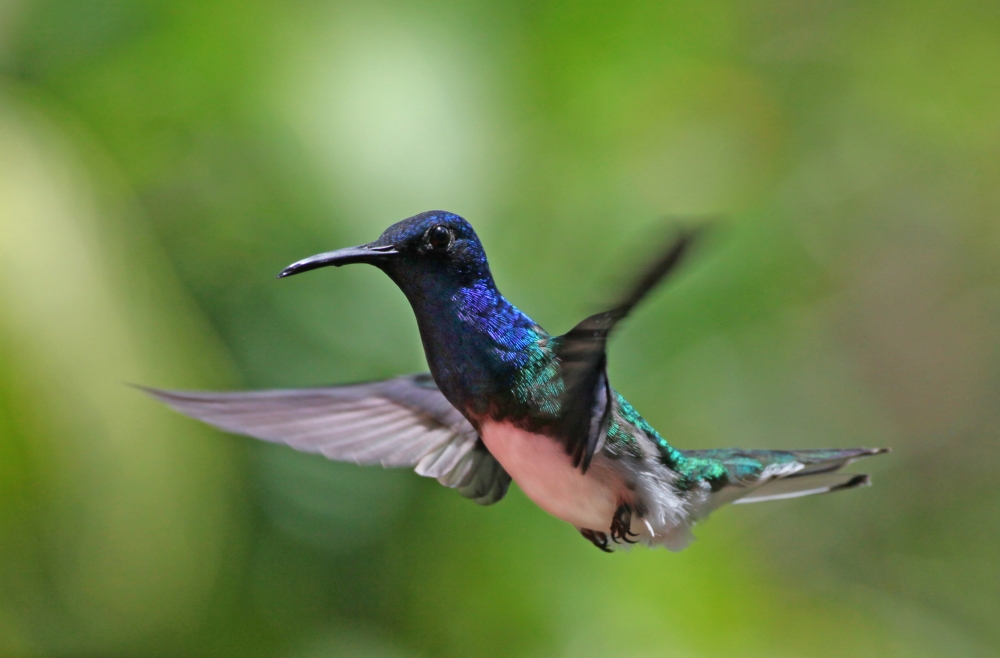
(160, 161)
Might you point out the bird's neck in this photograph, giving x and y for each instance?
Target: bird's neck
(478, 345)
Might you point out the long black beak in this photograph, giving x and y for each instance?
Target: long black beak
(366, 253)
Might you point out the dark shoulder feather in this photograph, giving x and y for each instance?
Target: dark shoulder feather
(586, 401)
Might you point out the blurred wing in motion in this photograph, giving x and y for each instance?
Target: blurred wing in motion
(404, 422)
(586, 398)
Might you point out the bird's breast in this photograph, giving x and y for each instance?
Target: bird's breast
(543, 470)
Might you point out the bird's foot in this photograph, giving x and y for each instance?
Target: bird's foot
(597, 538)
(621, 525)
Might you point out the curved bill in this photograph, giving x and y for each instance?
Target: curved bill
(366, 253)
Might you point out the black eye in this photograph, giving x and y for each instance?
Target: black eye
(439, 238)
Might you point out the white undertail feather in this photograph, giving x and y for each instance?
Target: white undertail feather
(668, 517)
(805, 485)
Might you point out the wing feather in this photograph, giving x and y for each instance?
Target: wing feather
(405, 422)
(586, 401)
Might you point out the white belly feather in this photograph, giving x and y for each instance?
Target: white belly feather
(545, 473)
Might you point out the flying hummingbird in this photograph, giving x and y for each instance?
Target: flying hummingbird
(506, 400)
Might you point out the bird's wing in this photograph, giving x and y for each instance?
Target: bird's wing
(403, 422)
(586, 400)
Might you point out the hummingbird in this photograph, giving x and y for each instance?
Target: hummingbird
(505, 400)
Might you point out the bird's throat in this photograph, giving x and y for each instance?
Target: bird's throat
(476, 342)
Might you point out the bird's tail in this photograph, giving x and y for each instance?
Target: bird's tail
(805, 485)
(757, 476)
(750, 476)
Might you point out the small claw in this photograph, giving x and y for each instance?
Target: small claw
(598, 539)
(621, 525)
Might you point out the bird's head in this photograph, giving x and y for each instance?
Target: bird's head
(433, 245)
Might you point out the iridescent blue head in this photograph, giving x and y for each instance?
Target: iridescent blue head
(434, 247)
(475, 341)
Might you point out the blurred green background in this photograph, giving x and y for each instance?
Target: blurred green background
(161, 161)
